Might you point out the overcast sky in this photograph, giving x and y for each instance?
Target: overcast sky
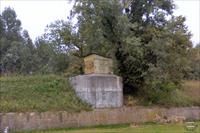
(36, 14)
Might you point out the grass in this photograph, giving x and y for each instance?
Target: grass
(191, 89)
(126, 128)
(53, 93)
(188, 95)
(38, 93)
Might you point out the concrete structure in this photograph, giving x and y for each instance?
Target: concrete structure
(99, 87)
(98, 64)
(62, 119)
(99, 90)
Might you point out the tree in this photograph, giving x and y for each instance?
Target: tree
(137, 36)
(149, 45)
(61, 37)
(10, 36)
(16, 47)
(194, 64)
(12, 24)
(49, 58)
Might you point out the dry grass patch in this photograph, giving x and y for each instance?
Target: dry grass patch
(192, 90)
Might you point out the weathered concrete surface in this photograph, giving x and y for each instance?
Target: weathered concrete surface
(98, 64)
(99, 90)
(30, 121)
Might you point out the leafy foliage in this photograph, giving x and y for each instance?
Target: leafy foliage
(18, 54)
(151, 51)
(150, 46)
(193, 71)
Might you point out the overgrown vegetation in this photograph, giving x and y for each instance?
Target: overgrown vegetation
(53, 93)
(188, 95)
(38, 93)
(150, 46)
(191, 89)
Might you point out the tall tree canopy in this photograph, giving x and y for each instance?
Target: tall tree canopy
(148, 42)
(11, 41)
(18, 54)
(150, 46)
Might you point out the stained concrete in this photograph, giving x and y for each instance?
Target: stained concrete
(62, 119)
(99, 90)
(98, 64)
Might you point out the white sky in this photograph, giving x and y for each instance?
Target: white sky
(36, 14)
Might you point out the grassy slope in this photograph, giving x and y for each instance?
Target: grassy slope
(191, 89)
(145, 128)
(188, 95)
(51, 93)
(38, 93)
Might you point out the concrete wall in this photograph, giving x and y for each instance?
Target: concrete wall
(30, 121)
(98, 64)
(99, 90)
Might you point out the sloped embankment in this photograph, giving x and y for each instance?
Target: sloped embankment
(38, 93)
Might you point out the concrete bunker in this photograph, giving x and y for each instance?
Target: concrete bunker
(98, 86)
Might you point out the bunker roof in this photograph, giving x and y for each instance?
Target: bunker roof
(90, 54)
